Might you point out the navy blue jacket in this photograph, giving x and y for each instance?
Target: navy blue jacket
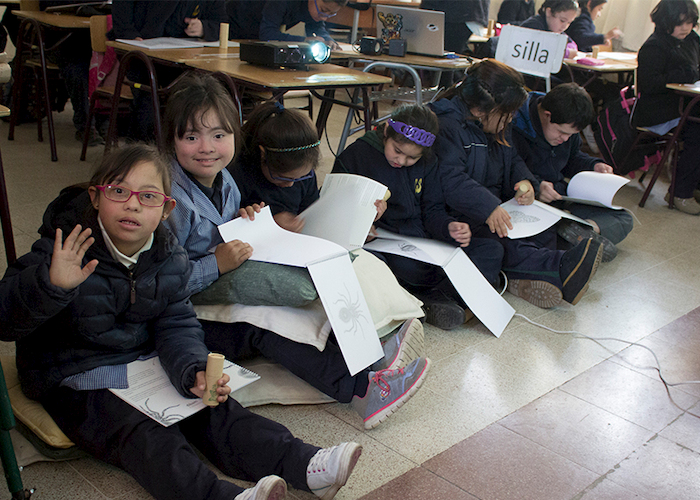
(152, 19)
(582, 31)
(547, 162)
(288, 13)
(416, 206)
(460, 11)
(664, 59)
(477, 173)
(515, 11)
(112, 318)
(255, 188)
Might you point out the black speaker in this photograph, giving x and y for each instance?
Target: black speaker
(397, 47)
(370, 46)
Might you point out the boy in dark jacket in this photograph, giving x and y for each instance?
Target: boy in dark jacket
(546, 135)
(313, 13)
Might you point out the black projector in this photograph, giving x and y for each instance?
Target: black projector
(284, 54)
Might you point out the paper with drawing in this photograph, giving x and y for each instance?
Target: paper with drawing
(151, 392)
(481, 298)
(595, 188)
(332, 274)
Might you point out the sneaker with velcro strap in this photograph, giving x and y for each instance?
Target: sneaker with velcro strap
(575, 233)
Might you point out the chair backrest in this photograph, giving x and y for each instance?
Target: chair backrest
(29, 5)
(98, 33)
(534, 52)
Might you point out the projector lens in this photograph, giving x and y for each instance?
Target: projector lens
(320, 52)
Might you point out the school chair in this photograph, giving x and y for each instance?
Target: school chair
(31, 56)
(670, 142)
(102, 96)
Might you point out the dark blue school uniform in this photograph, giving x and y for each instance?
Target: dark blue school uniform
(515, 11)
(557, 163)
(582, 31)
(289, 13)
(416, 208)
(477, 174)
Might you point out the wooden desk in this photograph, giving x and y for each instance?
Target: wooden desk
(174, 56)
(625, 68)
(55, 20)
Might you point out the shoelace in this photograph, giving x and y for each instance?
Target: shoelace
(319, 460)
(379, 378)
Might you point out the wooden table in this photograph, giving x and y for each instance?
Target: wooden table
(55, 20)
(173, 56)
(625, 68)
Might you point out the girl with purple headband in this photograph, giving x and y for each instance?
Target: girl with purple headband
(398, 154)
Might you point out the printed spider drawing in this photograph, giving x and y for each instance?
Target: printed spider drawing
(350, 312)
(407, 248)
(521, 217)
(162, 417)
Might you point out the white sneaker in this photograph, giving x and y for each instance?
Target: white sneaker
(268, 488)
(330, 468)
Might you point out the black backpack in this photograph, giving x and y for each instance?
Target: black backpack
(615, 136)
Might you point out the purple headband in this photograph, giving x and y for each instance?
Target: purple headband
(415, 134)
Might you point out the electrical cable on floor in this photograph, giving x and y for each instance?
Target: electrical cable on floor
(598, 340)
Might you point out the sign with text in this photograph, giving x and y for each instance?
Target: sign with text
(534, 52)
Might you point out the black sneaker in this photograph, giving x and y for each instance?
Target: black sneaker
(577, 267)
(445, 314)
(575, 233)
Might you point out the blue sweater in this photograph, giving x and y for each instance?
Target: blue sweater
(582, 31)
(289, 13)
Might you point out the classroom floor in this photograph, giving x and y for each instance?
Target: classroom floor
(530, 415)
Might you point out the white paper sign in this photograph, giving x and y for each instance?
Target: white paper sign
(151, 392)
(345, 211)
(481, 298)
(534, 52)
(360, 345)
(595, 188)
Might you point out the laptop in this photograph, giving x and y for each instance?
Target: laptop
(423, 30)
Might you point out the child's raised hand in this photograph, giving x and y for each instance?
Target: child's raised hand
(381, 208)
(66, 270)
(231, 255)
(524, 193)
(200, 385)
(460, 232)
(250, 211)
(289, 221)
(499, 222)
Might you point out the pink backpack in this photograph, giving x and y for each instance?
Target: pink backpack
(104, 67)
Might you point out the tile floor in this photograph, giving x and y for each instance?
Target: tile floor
(531, 415)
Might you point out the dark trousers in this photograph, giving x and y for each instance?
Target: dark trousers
(240, 443)
(325, 370)
(615, 225)
(688, 169)
(534, 258)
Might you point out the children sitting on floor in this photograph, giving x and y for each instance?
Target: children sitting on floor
(398, 154)
(200, 127)
(106, 284)
(479, 170)
(546, 135)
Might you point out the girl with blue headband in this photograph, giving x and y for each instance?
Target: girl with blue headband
(399, 155)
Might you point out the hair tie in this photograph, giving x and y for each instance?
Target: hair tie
(298, 148)
(415, 134)
(279, 107)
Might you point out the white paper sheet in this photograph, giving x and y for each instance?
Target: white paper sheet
(528, 220)
(347, 310)
(151, 392)
(345, 211)
(273, 244)
(481, 298)
(165, 42)
(594, 188)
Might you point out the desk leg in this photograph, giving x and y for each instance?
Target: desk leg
(324, 110)
(6, 220)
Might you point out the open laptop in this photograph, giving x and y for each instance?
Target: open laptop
(423, 30)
